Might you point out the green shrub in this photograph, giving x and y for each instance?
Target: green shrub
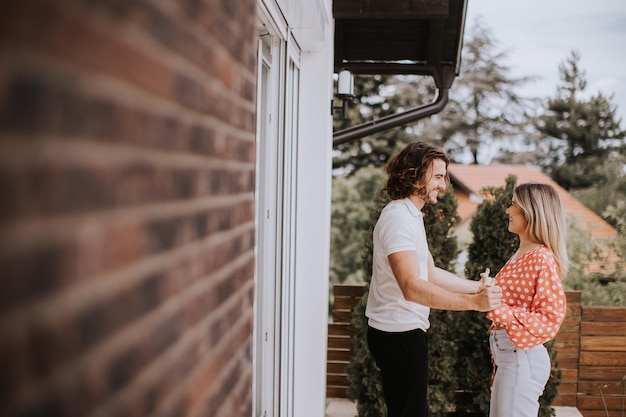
(606, 288)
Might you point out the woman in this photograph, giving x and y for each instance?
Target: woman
(533, 302)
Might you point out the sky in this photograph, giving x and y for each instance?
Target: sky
(539, 35)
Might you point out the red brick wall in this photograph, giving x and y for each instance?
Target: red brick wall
(126, 207)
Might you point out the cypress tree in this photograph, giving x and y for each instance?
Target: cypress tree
(363, 374)
(491, 246)
(440, 220)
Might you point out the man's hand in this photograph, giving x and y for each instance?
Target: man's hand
(489, 295)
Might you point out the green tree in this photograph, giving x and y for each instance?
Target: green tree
(485, 112)
(377, 96)
(353, 199)
(363, 374)
(440, 221)
(605, 196)
(583, 134)
(617, 213)
(601, 289)
(491, 246)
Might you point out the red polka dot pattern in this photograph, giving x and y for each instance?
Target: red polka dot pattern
(533, 301)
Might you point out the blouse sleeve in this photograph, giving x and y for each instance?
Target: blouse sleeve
(533, 320)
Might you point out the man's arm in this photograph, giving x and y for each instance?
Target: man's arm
(451, 282)
(405, 267)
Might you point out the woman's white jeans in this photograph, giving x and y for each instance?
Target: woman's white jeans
(521, 375)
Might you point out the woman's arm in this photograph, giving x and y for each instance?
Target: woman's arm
(405, 267)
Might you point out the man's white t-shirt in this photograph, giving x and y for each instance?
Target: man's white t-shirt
(400, 227)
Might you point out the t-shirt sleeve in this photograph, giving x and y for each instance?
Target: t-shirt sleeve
(397, 233)
(533, 320)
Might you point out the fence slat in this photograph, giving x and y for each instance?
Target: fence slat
(342, 316)
(603, 358)
(601, 373)
(567, 363)
(574, 297)
(336, 367)
(567, 351)
(345, 303)
(339, 329)
(565, 400)
(597, 313)
(339, 355)
(571, 324)
(568, 337)
(569, 374)
(339, 343)
(594, 402)
(597, 413)
(601, 328)
(336, 392)
(606, 343)
(348, 290)
(593, 387)
(337, 380)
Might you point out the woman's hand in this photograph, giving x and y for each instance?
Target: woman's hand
(485, 281)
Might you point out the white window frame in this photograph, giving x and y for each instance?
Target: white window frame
(277, 137)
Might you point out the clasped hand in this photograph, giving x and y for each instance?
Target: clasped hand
(490, 294)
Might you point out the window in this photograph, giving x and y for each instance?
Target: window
(278, 78)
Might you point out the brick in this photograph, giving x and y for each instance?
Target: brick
(232, 369)
(28, 276)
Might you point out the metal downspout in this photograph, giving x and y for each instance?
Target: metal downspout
(393, 120)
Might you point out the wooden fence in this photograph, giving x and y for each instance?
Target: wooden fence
(591, 353)
(345, 297)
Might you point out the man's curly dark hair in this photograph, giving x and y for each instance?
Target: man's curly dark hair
(407, 170)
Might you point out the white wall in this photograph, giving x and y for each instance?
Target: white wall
(313, 227)
(309, 20)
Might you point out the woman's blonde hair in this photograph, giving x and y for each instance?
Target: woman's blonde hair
(542, 208)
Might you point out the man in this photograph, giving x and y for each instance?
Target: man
(406, 283)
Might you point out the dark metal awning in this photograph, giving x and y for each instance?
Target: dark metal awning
(398, 36)
(422, 37)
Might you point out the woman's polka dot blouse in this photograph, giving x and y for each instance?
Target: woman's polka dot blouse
(533, 301)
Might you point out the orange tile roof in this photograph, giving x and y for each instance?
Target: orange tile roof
(475, 177)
